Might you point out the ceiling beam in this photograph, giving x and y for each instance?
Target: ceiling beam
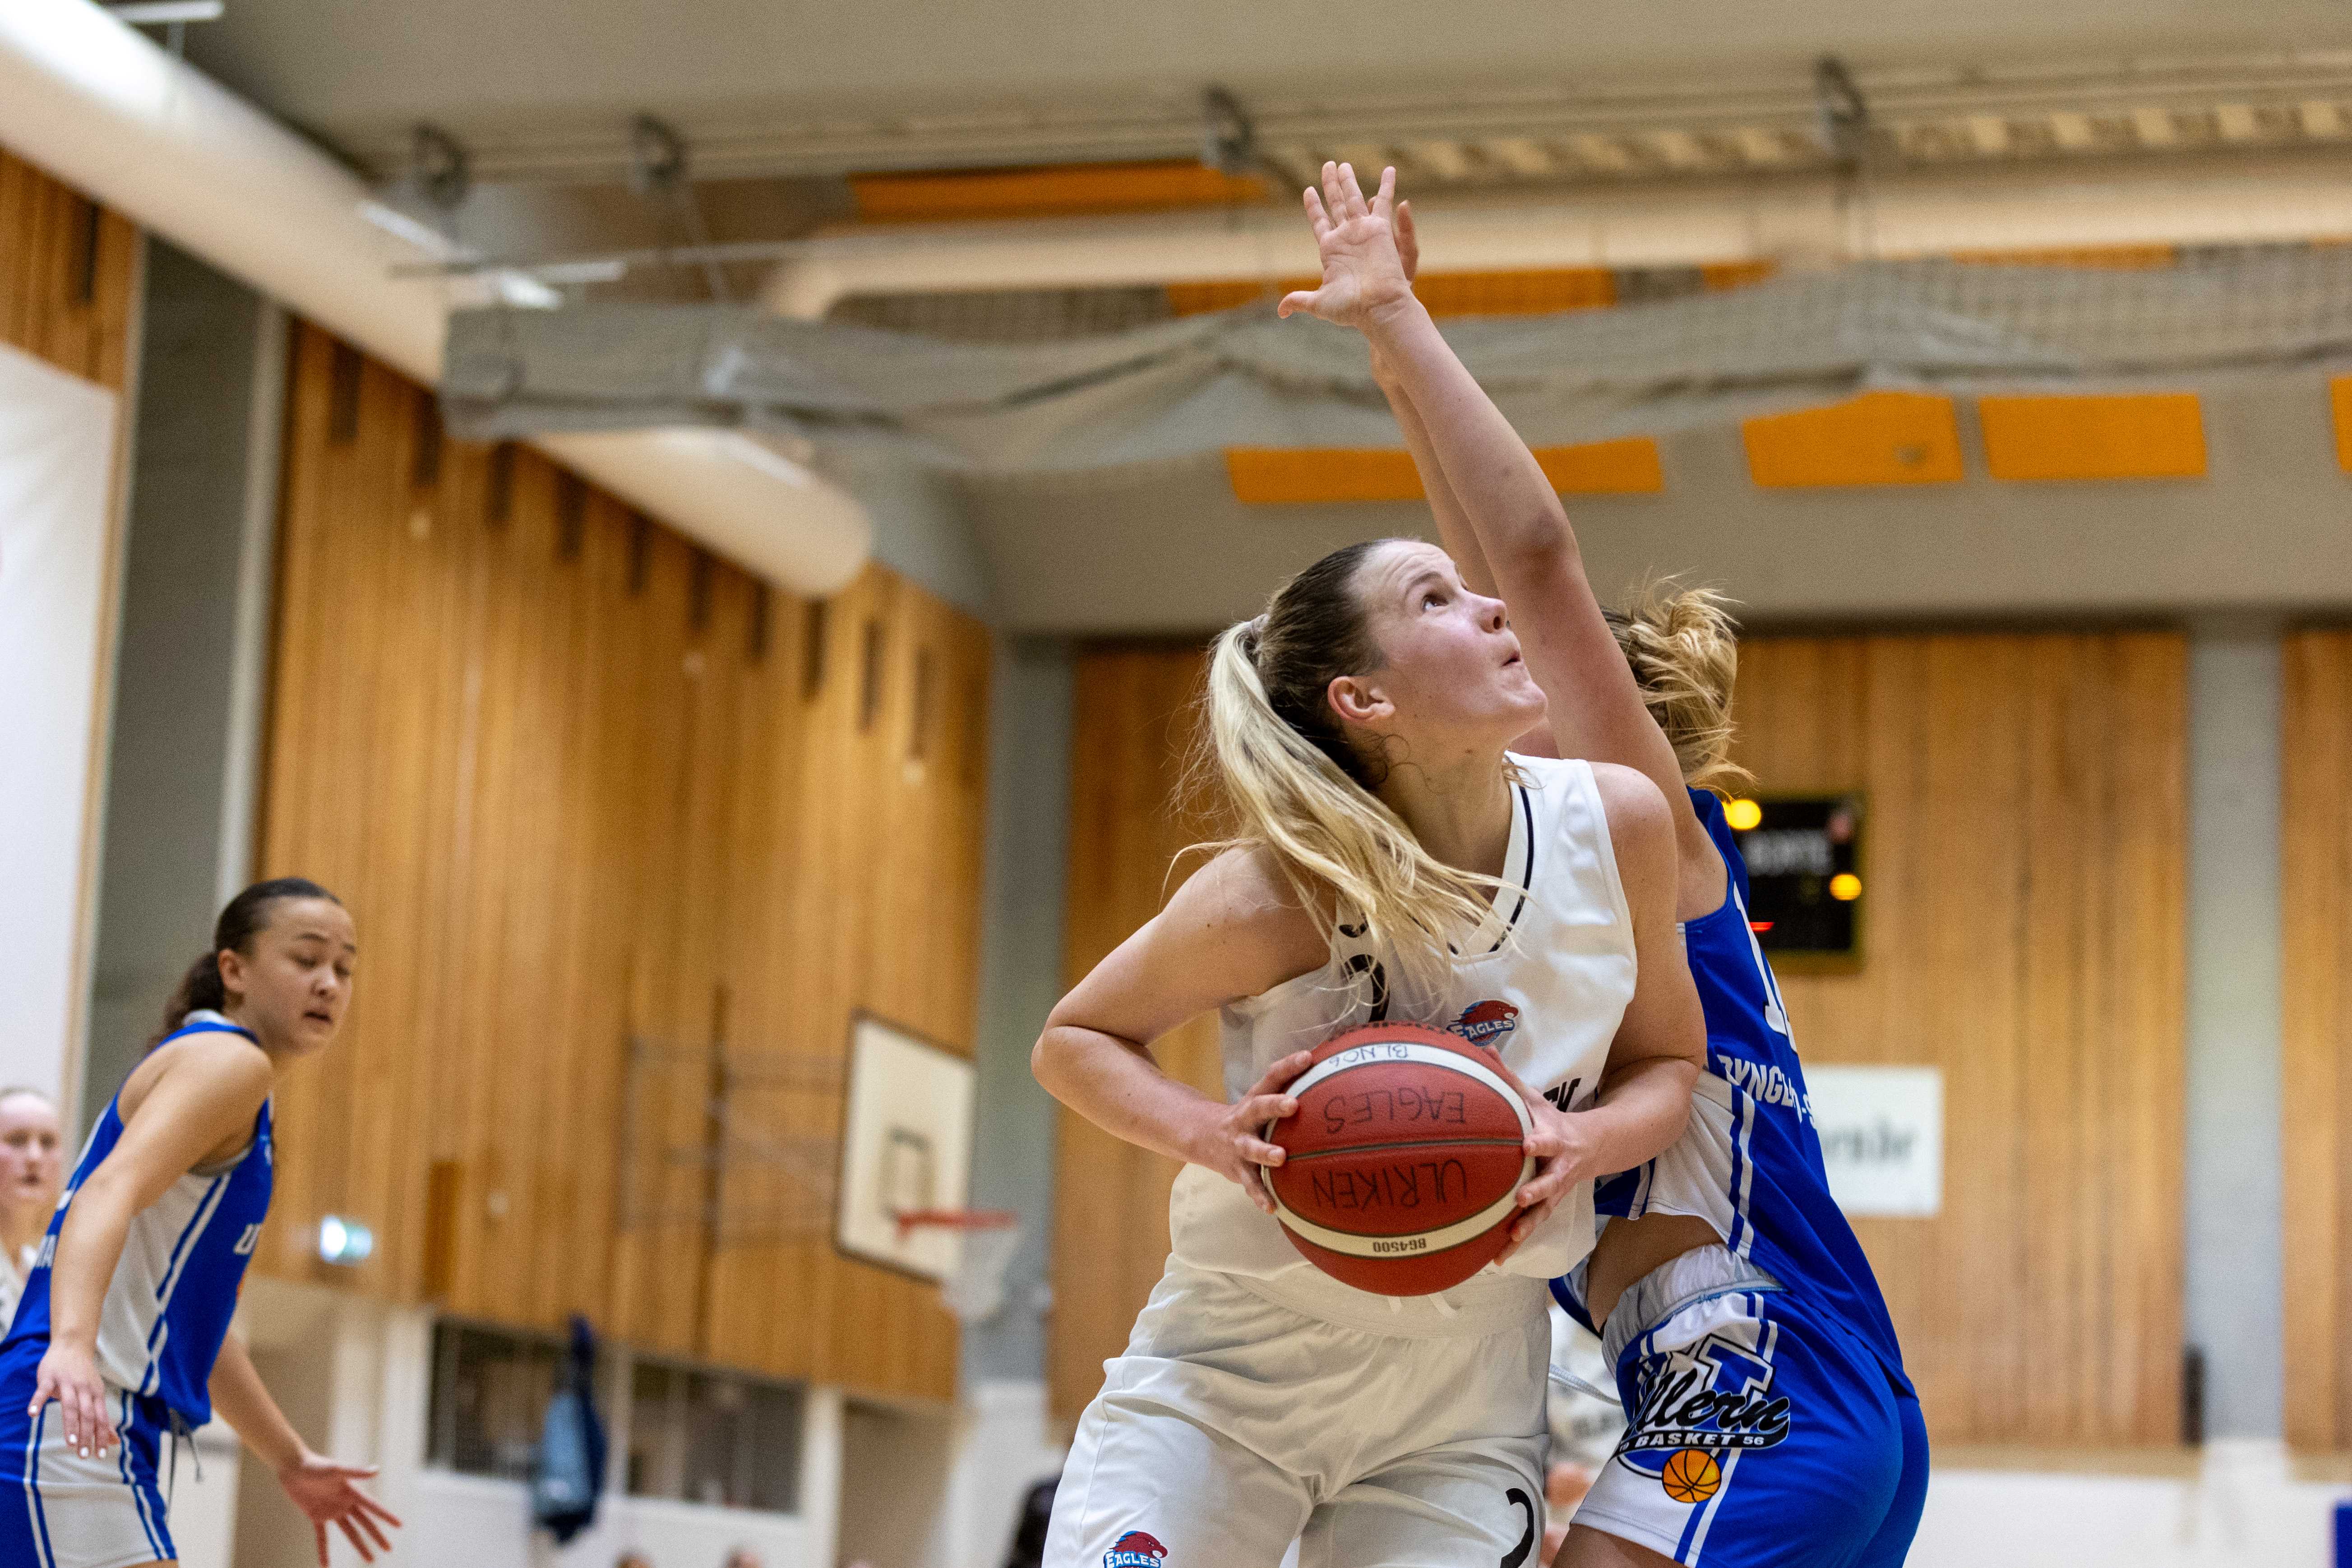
(1797, 220)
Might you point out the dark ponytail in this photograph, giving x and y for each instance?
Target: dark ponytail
(246, 917)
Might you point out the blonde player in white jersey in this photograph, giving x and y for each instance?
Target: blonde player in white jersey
(1390, 862)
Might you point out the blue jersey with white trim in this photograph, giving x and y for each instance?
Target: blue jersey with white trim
(1751, 1160)
(168, 1305)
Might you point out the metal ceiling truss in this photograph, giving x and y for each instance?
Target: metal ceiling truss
(1502, 139)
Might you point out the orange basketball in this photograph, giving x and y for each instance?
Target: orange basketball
(1692, 1476)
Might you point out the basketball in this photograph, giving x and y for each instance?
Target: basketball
(1402, 1165)
(1692, 1476)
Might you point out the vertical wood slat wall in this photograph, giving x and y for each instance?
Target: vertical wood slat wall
(2315, 898)
(2024, 866)
(584, 785)
(1130, 726)
(66, 272)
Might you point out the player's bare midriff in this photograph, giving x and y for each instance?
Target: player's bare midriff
(1630, 1248)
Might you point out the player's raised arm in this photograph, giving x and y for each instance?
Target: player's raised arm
(1496, 511)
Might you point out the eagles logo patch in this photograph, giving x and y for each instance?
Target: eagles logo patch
(1487, 1023)
(1135, 1550)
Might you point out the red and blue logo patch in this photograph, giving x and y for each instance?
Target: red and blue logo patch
(1134, 1550)
(1487, 1023)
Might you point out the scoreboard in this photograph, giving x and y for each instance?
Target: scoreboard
(1804, 873)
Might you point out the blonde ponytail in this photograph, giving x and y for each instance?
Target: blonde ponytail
(1292, 783)
(1684, 647)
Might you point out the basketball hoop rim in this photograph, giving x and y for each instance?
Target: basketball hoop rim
(954, 1220)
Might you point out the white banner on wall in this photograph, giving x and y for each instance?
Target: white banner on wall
(1882, 1137)
(57, 455)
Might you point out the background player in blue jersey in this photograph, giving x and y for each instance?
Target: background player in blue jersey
(1770, 1421)
(123, 1332)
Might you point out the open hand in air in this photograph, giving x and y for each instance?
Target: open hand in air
(1364, 275)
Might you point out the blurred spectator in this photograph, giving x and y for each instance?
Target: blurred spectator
(31, 1174)
(1029, 1535)
(744, 1557)
(633, 1559)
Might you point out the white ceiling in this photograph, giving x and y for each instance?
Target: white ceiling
(359, 73)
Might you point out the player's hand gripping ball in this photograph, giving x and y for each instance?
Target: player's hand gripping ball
(1402, 1169)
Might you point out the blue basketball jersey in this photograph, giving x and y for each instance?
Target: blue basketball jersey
(168, 1307)
(1752, 1161)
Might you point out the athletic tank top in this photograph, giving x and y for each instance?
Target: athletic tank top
(1548, 979)
(1750, 1164)
(168, 1305)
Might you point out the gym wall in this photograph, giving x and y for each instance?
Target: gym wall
(2315, 900)
(628, 836)
(68, 269)
(2024, 933)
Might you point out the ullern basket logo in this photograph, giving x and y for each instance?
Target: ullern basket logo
(1487, 1023)
(1135, 1550)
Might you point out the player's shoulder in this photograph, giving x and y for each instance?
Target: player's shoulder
(1634, 803)
(215, 1066)
(1242, 895)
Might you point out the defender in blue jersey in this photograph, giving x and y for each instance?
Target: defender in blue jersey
(122, 1334)
(1770, 1421)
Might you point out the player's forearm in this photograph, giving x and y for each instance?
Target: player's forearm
(1454, 528)
(244, 1401)
(89, 1244)
(1643, 1107)
(1499, 486)
(1114, 1083)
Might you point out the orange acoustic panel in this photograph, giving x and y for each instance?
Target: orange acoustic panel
(1289, 476)
(1536, 292)
(2105, 258)
(1877, 438)
(1721, 275)
(1629, 467)
(2339, 394)
(2134, 436)
(1295, 476)
(1223, 294)
(1068, 189)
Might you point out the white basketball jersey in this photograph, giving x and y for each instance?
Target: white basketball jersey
(1545, 984)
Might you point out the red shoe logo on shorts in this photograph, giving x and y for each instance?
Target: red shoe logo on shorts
(1135, 1550)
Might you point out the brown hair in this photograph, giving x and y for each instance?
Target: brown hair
(247, 916)
(1684, 647)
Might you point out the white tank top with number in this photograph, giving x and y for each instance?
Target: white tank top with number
(1545, 984)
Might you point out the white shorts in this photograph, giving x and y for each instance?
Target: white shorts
(58, 1510)
(1234, 1424)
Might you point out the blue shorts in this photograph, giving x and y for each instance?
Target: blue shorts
(58, 1510)
(1759, 1434)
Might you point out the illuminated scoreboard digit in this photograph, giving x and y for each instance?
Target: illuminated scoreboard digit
(1804, 873)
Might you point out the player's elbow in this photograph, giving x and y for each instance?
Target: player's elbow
(1537, 545)
(1053, 1059)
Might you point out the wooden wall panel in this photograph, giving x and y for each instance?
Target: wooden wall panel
(67, 268)
(2027, 822)
(2316, 898)
(617, 854)
(1131, 725)
(2026, 797)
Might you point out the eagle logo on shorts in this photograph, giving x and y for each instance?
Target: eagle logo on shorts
(1135, 1550)
(1487, 1023)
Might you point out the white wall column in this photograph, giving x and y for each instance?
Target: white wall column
(2234, 1292)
